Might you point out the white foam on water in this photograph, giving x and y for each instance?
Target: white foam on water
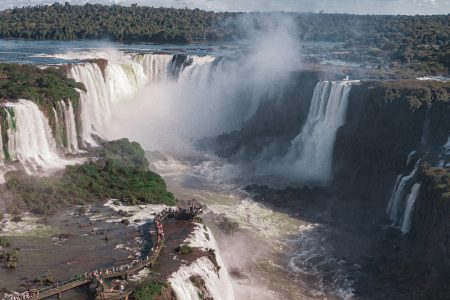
(30, 139)
(218, 284)
(29, 225)
(143, 213)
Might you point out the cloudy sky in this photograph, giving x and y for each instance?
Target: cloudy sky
(341, 6)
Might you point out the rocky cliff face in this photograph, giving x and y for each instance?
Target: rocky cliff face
(431, 219)
(386, 121)
(276, 122)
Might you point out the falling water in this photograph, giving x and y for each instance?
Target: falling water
(11, 125)
(426, 125)
(409, 209)
(30, 138)
(396, 203)
(70, 128)
(310, 156)
(410, 157)
(121, 79)
(156, 67)
(2, 155)
(217, 282)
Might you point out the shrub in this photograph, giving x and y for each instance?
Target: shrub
(183, 250)
(149, 291)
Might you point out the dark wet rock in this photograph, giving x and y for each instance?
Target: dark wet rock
(200, 284)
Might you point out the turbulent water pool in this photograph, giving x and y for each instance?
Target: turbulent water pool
(272, 255)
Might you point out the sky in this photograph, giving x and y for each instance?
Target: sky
(409, 7)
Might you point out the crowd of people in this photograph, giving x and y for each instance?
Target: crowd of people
(31, 294)
(188, 207)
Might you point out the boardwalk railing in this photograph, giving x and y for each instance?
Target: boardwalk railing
(73, 283)
(125, 270)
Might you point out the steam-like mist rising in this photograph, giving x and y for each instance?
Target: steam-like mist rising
(212, 95)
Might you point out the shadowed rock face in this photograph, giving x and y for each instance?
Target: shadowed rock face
(277, 121)
(385, 123)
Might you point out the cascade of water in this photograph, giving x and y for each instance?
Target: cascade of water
(394, 207)
(447, 146)
(426, 125)
(311, 151)
(30, 138)
(70, 135)
(2, 155)
(199, 66)
(118, 82)
(156, 66)
(217, 282)
(11, 125)
(59, 137)
(410, 157)
(409, 209)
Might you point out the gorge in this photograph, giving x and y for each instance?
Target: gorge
(346, 181)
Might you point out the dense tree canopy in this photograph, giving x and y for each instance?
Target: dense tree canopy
(421, 41)
(69, 22)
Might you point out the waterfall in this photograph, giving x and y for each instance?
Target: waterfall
(30, 138)
(198, 66)
(410, 157)
(409, 209)
(69, 125)
(396, 202)
(156, 67)
(447, 146)
(10, 127)
(119, 81)
(311, 152)
(218, 283)
(2, 154)
(426, 125)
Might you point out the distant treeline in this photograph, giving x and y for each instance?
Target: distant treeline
(95, 21)
(405, 38)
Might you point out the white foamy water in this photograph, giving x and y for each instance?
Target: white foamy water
(397, 204)
(311, 152)
(263, 236)
(118, 82)
(434, 78)
(67, 122)
(29, 225)
(409, 208)
(218, 283)
(138, 215)
(30, 139)
(313, 259)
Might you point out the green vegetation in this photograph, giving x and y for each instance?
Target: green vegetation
(120, 173)
(10, 258)
(42, 86)
(183, 250)
(149, 291)
(69, 22)
(440, 177)
(416, 92)
(420, 42)
(4, 243)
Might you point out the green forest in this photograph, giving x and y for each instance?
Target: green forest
(423, 41)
